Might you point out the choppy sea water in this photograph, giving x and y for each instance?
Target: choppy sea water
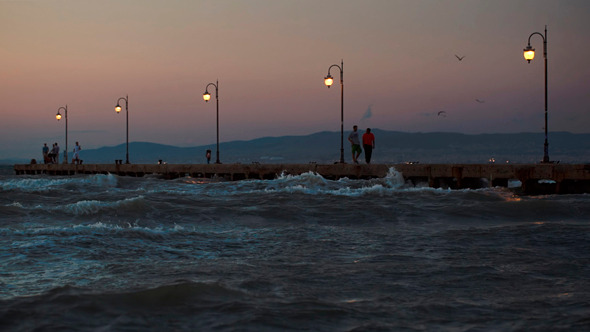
(299, 253)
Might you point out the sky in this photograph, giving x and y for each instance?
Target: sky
(270, 58)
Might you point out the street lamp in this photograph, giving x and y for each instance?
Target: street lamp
(206, 98)
(329, 80)
(529, 54)
(58, 117)
(118, 109)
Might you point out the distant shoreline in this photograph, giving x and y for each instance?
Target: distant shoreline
(324, 147)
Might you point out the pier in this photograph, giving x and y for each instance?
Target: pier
(534, 178)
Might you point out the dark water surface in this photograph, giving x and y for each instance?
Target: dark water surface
(102, 252)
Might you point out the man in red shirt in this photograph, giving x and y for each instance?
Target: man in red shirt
(368, 144)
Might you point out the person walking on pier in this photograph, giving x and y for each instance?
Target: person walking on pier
(353, 138)
(368, 144)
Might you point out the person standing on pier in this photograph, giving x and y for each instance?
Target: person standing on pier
(208, 156)
(56, 154)
(368, 144)
(76, 157)
(353, 138)
(53, 154)
(45, 153)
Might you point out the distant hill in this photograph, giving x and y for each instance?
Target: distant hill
(391, 147)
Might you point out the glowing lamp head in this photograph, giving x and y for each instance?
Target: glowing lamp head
(117, 108)
(206, 96)
(58, 116)
(529, 53)
(328, 80)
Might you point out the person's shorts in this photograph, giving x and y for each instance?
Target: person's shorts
(356, 148)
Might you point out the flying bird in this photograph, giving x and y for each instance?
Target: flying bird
(480, 101)
(442, 113)
(459, 57)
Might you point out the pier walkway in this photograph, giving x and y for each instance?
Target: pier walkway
(534, 178)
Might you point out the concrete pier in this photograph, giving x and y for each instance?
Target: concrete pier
(535, 178)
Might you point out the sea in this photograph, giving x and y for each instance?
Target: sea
(297, 253)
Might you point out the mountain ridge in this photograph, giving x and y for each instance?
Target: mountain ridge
(391, 147)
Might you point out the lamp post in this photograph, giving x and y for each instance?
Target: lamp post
(529, 54)
(206, 97)
(328, 80)
(118, 109)
(58, 117)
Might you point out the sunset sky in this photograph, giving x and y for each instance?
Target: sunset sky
(270, 57)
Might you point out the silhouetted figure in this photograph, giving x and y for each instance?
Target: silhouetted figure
(46, 159)
(76, 157)
(53, 154)
(56, 154)
(368, 144)
(353, 138)
(208, 155)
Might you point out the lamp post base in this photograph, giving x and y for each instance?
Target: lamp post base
(546, 152)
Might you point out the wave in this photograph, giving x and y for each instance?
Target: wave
(309, 183)
(80, 208)
(312, 183)
(185, 201)
(130, 229)
(171, 295)
(94, 206)
(204, 305)
(158, 308)
(45, 184)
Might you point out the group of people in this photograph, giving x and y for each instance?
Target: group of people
(368, 144)
(52, 157)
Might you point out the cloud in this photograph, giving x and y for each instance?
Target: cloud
(368, 114)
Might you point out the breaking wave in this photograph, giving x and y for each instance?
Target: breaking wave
(45, 184)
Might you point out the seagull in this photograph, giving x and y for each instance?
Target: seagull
(459, 57)
(442, 113)
(480, 101)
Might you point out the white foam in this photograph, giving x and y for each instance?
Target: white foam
(44, 184)
(394, 178)
(89, 207)
(94, 206)
(311, 183)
